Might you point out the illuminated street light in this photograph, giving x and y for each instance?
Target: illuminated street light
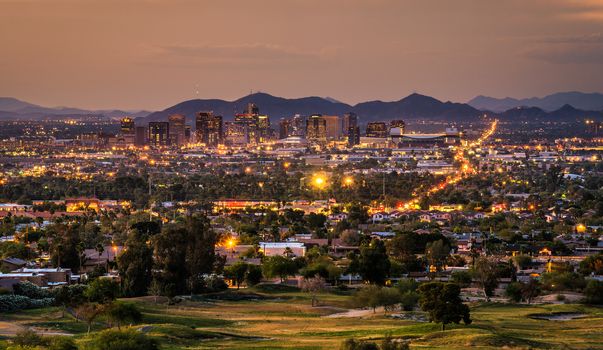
(348, 181)
(319, 181)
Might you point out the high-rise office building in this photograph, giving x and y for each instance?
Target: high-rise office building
(284, 128)
(376, 129)
(263, 125)
(187, 133)
(353, 135)
(333, 126)
(399, 125)
(127, 126)
(141, 136)
(177, 129)
(235, 133)
(257, 127)
(209, 129)
(316, 128)
(159, 133)
(348, 121)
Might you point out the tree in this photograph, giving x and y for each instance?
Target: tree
(154, 289)
(367, 296)
(485, 272)
(253, 275)
(236, 272)
(313, 285)
(89, 312)
(119, 312)
(184, 252)
(70, 296)
(462, 278)
(373, 263)
(592, 265)
(522, 261)
(389, 298)
(514, 291)
(112, 339)
(530, 290)
(437, 252)
(135, 265)
(102, 290)
(443, 303)
(64, 248)
(278, 266)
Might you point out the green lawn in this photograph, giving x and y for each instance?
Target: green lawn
(285, 320)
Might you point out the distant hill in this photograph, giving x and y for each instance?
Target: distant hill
(12, 108)
(566, 113)
(579, 100)
(411, 107)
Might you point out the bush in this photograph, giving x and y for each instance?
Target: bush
(558, 281)
(560, 297)
(514, 291)
(62, 343)
(353, 344)
(112, 339)
(30, 290)
(211, 284)
(593, 292)
(253, 275)
(28, 338)
(11, 302)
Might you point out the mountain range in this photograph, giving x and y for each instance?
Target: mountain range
(414, 106)
(580, 100)
(411, 107)
(12, 108)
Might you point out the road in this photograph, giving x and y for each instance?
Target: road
(466, 168)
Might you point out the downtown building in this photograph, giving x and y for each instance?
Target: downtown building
(177, 129)
(209, 129)
(159, 134)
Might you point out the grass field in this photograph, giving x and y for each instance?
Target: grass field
(285, 320)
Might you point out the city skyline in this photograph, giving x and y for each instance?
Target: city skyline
(152, 54)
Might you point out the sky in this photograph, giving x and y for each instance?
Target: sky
(151, 54)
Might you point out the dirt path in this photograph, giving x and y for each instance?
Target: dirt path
(356, 313)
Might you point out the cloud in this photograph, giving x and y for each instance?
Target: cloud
(582, 10)
(576, 49)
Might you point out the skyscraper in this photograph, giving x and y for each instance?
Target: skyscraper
(348, 121)
(235, 134)
(159, 133)
(177, 129)
(376, 129)
(209, 129)
(333, 126)
(397, 124)
(353, 135)
(263, 123)
(257, 126)
(127, 126)
(284, 127)
(141, 136)
(316, 128)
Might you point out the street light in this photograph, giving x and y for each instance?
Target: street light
(319, 181)
(348, 181)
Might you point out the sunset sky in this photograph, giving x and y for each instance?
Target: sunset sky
(155, 53)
